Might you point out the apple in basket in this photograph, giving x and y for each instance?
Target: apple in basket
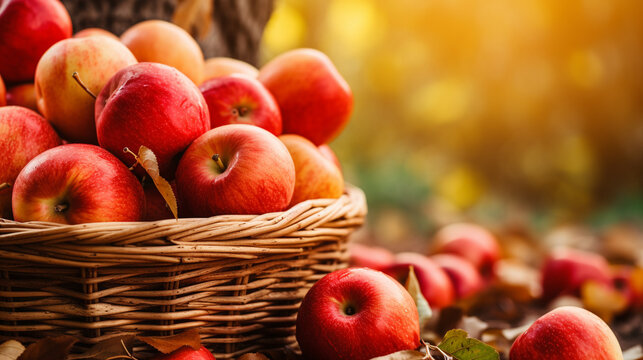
(223, 66)
(239, 99)
(27, 29)
(77, 183)
(187, 353)
(23, 135)
(153, 105)
(235, 169)
(356, 314)
(314, 99)
(316, 176)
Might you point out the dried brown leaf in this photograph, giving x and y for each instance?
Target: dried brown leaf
(11, 350)
(167, 344)
(603, 300)
(403, 355)
(194, 16)
(117, 346)
(148, 161)
(50, 348)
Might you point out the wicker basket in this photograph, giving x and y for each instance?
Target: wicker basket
(239, 279)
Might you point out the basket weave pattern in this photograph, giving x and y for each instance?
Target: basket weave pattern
(238, 278)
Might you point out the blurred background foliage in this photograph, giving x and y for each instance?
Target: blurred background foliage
(501, 112)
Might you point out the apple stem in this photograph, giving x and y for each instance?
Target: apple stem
(61, 207)
(128, 151)
(82, 85)
(217, 160)
(5, 186)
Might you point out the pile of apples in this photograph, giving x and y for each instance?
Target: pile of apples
(227, 137)
(462, 262)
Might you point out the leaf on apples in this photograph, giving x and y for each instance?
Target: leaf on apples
(253, 356)
(403, 355)
(167, 344)
(50, 348)
(603, 300)
(458, 344)
(148, 161)
(633, 353)
(11, 350)
(117, 346)
(413, 287)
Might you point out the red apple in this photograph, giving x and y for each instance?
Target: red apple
(374, 257)
(434, 282)
(95, 32)
(565, 270)
(224, 66)
(567, 333)
(465, 278)
(155, 205)
(77, 183)
(23, 95)
(153, 105)
(187, 353)
(470, 241)
(316, 177)
(166, 43)
(240, 99)
(3, 93)
(235, 169)
(27, 29)
(61, 99)
(23, 135)
(314, 99)
(329, 154)
(356, 314)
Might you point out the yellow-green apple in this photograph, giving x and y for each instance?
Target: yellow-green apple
(315, 100)
(223, 66)
(565, 270)
(163, 42)
(187, 353)
(23, 135)
(235, 169)
(94, 32)
(23, 95)
(239, 99)
(27, 29)
(374, 257)
(465, 278)
(77, 183)
(3, 93)
(329, 154)
(153, 105)
(316, 176)
(567, 333)
(434, 282)
(155, 205)
(356, 314)
(629, 281)
(470, 241)
(60, 97)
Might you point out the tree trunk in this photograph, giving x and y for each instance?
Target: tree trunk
(237, 25)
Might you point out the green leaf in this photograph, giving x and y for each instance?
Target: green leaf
(413, 287)
(458, 344)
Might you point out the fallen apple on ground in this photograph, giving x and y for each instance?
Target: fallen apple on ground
(569, 333)
(356, 314)
(374, 257)
(465, 278)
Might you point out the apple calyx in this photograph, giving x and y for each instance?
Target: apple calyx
(241, 111)
(5, 186)
(217, 160)
(349, 309)
(82, 85)
(61, 208)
